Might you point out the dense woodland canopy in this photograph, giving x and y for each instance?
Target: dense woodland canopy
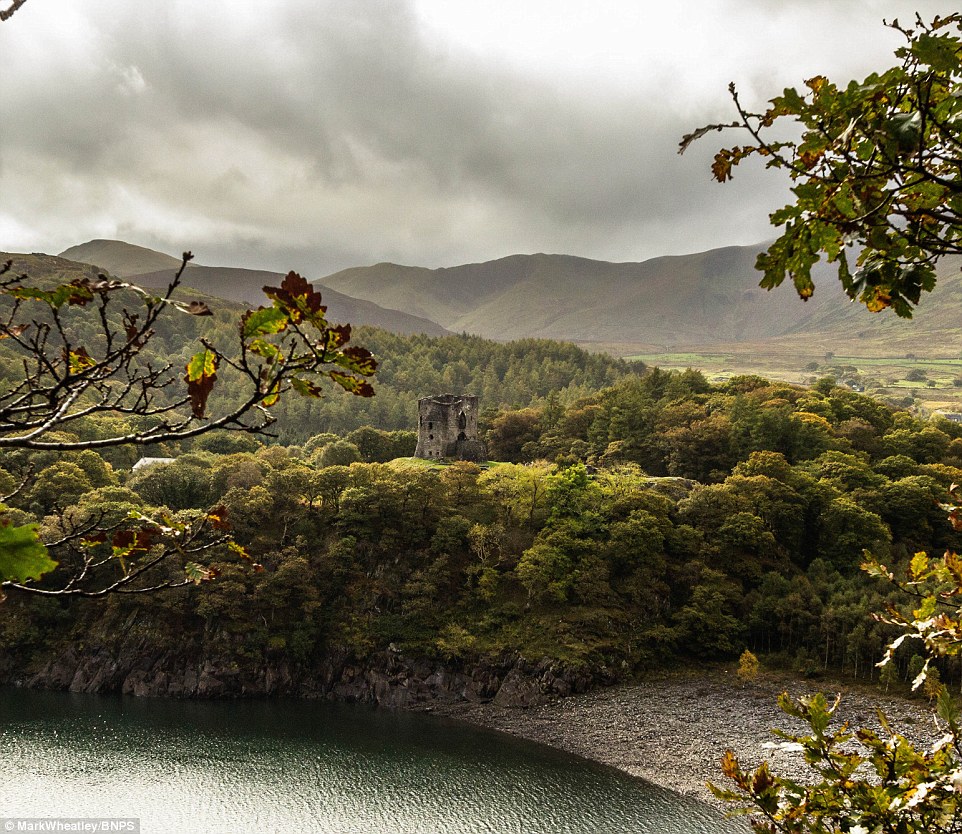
(877, 168)
(661, 517)
(521, 373)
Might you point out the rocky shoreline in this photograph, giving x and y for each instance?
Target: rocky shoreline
(672, 729)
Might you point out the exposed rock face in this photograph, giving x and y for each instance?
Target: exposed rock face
(386, 678)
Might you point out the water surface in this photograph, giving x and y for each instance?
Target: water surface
(298, 766)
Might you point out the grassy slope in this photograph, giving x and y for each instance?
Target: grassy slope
(700, 298)
(246, 285)
(703, 310)
(155, 269)
(120, 258)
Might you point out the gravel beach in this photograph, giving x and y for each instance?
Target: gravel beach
(672, 729)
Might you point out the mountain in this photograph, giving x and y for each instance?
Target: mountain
(936, 316)
(701, 300)
(693, 300)
(155, 269)
(120, 258)
(688, 299)
(246, 285)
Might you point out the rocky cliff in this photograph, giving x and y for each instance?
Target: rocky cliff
(386, 678)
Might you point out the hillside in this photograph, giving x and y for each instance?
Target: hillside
(48, 270)
(245, 285)
(704, 300)
(700, 299)
(505, 374)
(120, 258)
(155, 269)
(935, 321)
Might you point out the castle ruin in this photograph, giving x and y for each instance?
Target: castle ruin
(448, 428)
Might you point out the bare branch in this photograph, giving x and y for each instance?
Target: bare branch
(6, 14)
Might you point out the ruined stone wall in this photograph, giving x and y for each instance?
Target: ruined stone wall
(447, 426)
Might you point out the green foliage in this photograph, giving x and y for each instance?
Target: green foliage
(92, 346)
(866, 782)
(22, 556)
(593, 561)
(707, 626)
(79, 369)
(909, 790)
(515, 375)
(877, 167)
(179, 485)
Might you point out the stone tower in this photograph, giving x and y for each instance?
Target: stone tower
(448, 428)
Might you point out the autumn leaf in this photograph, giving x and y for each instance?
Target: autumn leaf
(15, 330)
(918, 566)
(356, 386)
(297, 298)
(200, 378)
(263, 321)
(877, 300)
(217, 516)
(272, 396)
(134, 336)
(338, 335)
(129, 542)
(239, 549)
(79, 360)
(357, 359)
(197, 573)
(721, 168)
(762, 779)
(305, 387)
(196, 308)
(271, 352)
(729, 764)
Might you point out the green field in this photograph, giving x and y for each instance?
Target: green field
(931, 382)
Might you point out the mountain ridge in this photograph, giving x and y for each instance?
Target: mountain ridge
(672, 299)
(669, 302)
(126, 260)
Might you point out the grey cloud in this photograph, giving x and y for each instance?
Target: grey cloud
(338, 133)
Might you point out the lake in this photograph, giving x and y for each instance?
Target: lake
(303, 766)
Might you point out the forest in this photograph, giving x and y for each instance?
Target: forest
(513, 374)
(657, 518)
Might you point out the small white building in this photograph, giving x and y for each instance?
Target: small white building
(150, 462)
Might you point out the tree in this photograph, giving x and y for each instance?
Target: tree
(867, 782)
(340, 453)
(287, 346)
(748, 667)
(878, 168)
(68, 382)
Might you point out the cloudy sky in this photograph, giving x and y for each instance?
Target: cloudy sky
(320, 134)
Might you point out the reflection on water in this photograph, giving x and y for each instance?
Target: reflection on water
(295, 766)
